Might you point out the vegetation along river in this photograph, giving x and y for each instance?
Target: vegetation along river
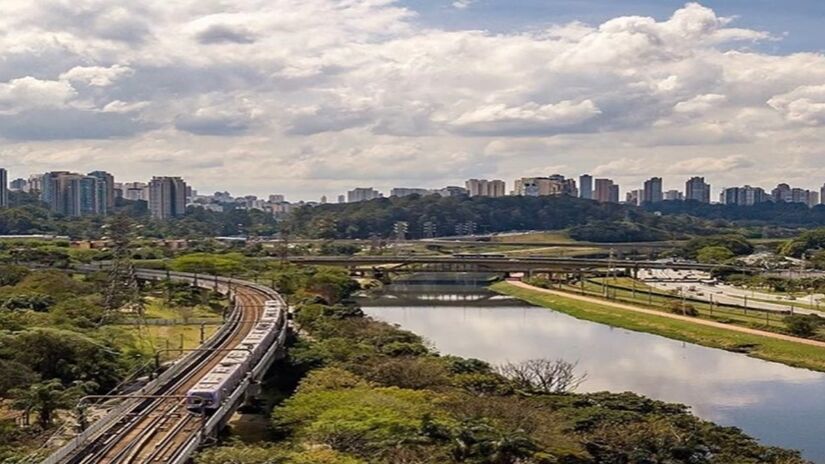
(779, 405)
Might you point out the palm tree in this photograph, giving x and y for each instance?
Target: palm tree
(46, 398)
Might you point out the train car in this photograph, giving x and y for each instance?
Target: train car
(210, 392)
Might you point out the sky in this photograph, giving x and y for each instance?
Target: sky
(315, 97)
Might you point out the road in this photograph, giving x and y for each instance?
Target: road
(697, 285)
(653, 312)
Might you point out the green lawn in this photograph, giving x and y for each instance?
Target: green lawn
(786, 352)
(558, 236)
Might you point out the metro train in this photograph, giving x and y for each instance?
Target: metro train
(210, 392)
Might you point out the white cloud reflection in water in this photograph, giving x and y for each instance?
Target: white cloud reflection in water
(780, 405)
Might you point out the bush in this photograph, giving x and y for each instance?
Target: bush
(803, 325)
(685, 309)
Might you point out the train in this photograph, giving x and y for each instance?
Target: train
(211, 391)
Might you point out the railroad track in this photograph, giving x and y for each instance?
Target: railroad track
(161, 430)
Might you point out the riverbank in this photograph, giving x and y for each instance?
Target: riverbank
(768, 346)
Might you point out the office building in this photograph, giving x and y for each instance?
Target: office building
(653, 191)
(696, 189)
(782, 193)
(362, 194)
(277, 198)
(167, 197)
(586, 187)
(605, 191)
(546, 186)
(135, 191)
(486, 188)
(4, 189)
(108, 187)
(405, 192)
(35, 183)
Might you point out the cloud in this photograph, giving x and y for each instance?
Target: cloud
(462, 4)
(349, 90)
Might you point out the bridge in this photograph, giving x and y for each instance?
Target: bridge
(497, 264)
(153, 424)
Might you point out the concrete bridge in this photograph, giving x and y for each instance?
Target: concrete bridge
(498, 264)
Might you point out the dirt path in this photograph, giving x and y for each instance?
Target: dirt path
(652, 312)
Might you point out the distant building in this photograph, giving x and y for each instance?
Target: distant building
(822, 195)
(4, 189)
(586, 187)
(674, 195)
(697, 189)
(72, 194)
(605, 191)
(486, 188)
(135, 191)
(19, 185)
(451, 191)
(323, 199)
(744, 196)
(546, 186)
(342, 199)
(35, 183)
(108, 188)
(362, 194)
(634, 197)
(782, 193)
(277, 198)
(167, 197)
(405, 192)
(653, 191)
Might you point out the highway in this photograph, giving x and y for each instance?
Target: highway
(157, 427)
(698, 286)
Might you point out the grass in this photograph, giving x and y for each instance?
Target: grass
(152, 338)
(538, 237)
(766, 348)
(157, 309)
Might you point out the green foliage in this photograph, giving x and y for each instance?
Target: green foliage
(809, 240)
(207, 263)
(736, 245)
(12, 275)
(64, 355)
(45, 398)
(803, 325)
(619, 231)
(28, 301)
(714, 255)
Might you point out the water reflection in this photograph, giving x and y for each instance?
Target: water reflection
(780, 405)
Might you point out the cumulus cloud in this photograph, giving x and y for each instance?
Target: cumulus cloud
(462, 4)
(360, 88)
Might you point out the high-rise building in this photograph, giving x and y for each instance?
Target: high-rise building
(19, 185)
(342, 199)
(653, 190)
(4, 189)
(634, 197)
(586, 187)
(362, 194)
(782, 193)
(167, 197)
(323, 199)
(744, 196)
(486, 188)
(697, 189)
(108, 187)
(546, 186)
(822, 195)
(674, 195)
(605, 191)
(73, 194)
(277, 198)
(135, 191)
(35, 183)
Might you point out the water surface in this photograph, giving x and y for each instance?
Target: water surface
(780, 405)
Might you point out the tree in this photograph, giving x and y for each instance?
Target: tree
(803, 325)
(45, 398)
(714, 255)
(542, 375)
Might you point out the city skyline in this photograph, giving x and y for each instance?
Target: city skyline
(389, 95)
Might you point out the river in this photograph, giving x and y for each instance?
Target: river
(779, 405)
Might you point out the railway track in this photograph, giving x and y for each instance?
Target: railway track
(161, 430)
